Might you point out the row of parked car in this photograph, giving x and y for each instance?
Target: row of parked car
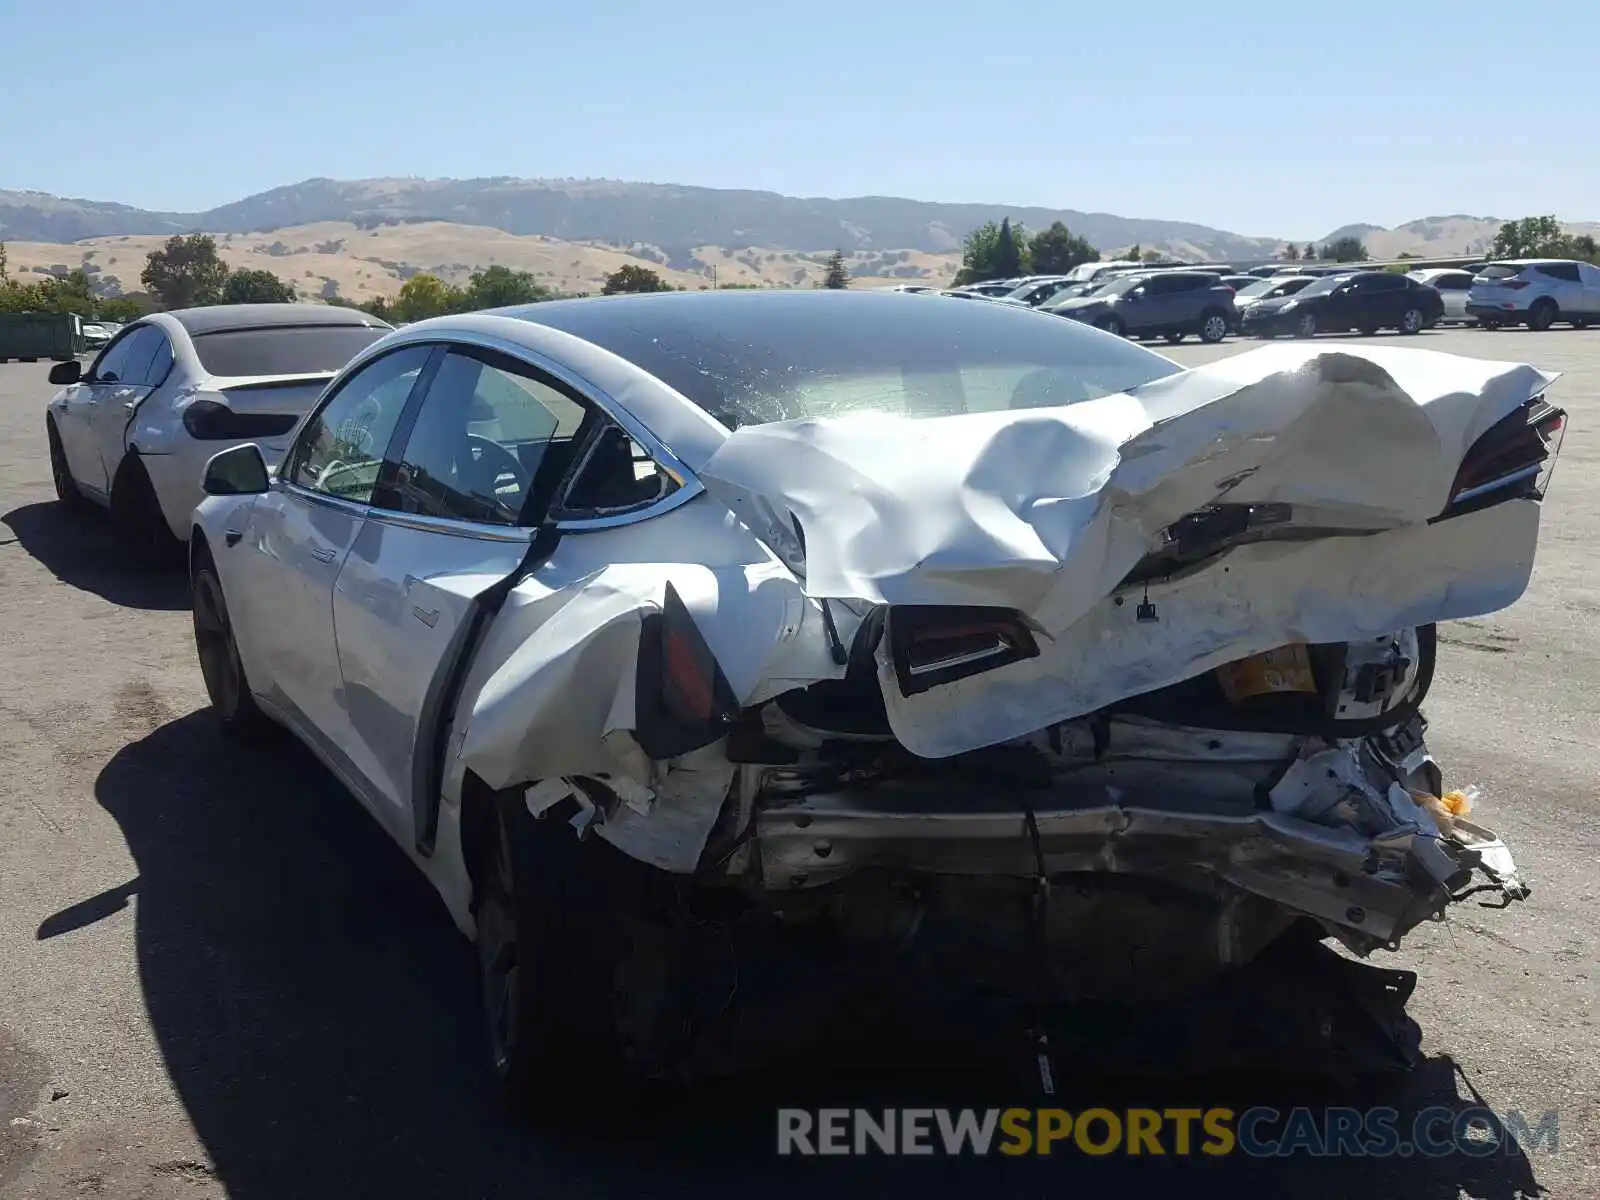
(1174, 300)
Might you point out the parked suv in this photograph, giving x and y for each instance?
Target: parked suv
(1364, 300)
(1170, 304)
(1535, 292)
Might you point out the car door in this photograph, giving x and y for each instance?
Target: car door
(77, 405)
(1453, 287)
(483, 447)
(148, 362)
(280, 578)
(1564, 285)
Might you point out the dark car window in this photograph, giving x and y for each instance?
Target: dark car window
(1495, 272)
(489, 435)
(282, 349)
(1567, 271)
(1390, 283)
(1456, 281)
(116, 361)
(150, 358)
(340, 449)
(748, 358)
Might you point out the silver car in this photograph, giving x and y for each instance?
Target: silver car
(680, 638)
(1536, 292)
(1452, 284)
(133, 431)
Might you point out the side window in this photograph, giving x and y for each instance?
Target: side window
(1566, 271)
(617, 476)
(490, 440)
(112, 365)
(149, 356)
(340, 450)
(1386, 283)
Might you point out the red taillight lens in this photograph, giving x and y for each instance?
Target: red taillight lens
(934, 646)
(1514, 458)
(682, 699)
(1515, 285)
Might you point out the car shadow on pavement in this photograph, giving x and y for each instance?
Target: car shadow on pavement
(316, 1011)
(80, 549)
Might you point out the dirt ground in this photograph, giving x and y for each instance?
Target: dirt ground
(217, 976)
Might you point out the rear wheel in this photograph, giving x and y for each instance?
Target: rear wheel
(1412, 320)
(551, 931)
(60, 474)
(220, 665)
(1213, 327)
(1306, 326)
(1542, 315)
(1112, 325)
(137, 515)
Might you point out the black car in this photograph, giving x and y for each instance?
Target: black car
(1169, 304)
(1364, 300)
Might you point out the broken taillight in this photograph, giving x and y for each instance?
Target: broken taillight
(1514, 458)
(931, 646)
(682, 698)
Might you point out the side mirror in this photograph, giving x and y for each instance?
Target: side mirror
(1136, 294)
(237, 471)
(64, 373)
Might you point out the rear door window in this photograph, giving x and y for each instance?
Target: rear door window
(282, 349)
(1564, 271)
(1456, 281)
(116, 361)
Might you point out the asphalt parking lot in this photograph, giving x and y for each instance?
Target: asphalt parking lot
(217, 976)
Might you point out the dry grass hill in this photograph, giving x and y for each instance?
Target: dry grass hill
(337, 258)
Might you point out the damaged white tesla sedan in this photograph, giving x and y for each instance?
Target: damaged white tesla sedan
(662, 631)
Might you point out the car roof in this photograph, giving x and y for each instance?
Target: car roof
(217, 318)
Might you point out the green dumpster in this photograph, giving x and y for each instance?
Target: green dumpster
(34, 335)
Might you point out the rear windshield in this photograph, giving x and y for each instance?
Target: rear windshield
(282, 349)
(1499, 271)
(761, 357)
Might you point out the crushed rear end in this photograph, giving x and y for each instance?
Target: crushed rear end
(1074, 704)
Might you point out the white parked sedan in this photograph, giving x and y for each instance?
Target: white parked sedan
(134, 431)
(1452, 284)
(670, 635)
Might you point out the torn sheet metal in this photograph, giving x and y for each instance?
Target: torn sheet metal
(1048, 510)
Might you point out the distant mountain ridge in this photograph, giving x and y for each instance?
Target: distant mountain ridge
(676, 218)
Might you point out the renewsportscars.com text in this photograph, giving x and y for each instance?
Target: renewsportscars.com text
(1260, 1132)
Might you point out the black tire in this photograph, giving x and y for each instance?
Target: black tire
(67, 492)
(550, 931)
(1542, 315)
(1488, 323)
(1306, 326)
(142, 528)
(220, 665)
(1175, 337)
(1412, 321)
(1112, 325)
(1213, 326)
(1580, 322)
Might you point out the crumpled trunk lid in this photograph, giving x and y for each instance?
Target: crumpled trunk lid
(1047, 511)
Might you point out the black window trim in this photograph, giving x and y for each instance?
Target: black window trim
(558, 375)
(594, 419)
(284, 477)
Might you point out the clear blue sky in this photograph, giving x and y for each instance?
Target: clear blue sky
(1283, 119)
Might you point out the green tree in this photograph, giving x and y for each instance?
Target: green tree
(498, 287)
(1135, 253)
(1291, 253)
(424, 295)
(122, 309)
(992, 252)
(1541, 237)
(186, 272)
(837, 277)
(1310, 252)
(631, 278)
(1056, 250)
(5, 269)
(1345, 249)
(256, 287)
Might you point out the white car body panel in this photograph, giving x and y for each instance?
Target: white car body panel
(1041, 510)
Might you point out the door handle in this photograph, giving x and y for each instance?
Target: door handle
(322, 553)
